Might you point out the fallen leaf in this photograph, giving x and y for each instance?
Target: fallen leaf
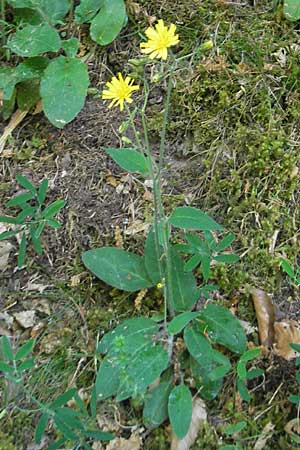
(248, 328)
(286, 332)
(293, 428)
(5, 249)
(133, 443)
(15, 120)
(25, 318)
(265, 313)
(37, 329)
(137, 227)
(36, 287)
(266, 434)
(41, 305)
(199, 416)
(6, 319)
(75, 280)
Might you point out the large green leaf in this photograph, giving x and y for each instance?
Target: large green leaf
(182, 285)
(63, 89)
(180, 409)
(192, 219)
(133, 360)
(30, 69)
(118, 268)
(108, 23)
(41, 10)
(35, 40)
(291, 10)
(156, 404)
(131, 329)
(224, 328)
(129, 159)
(87, 9)
(143, 368)
(152, 257)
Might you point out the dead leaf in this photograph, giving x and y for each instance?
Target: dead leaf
(97, 446)
(265, 313)
(266, 434)
(5, 249)
(25, 318)
(36, 287)
(293, 427)
(133, 443)
(199, 416)
(75, 280)
(286, 332)
(15, 120)
(37, 329)
(248, 328)
(6, 323)
(137, 227)
(41, 305)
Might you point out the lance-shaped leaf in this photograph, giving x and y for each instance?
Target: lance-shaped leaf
(152, 257)
(118, 268)
(192, 219)
(182, 285)
(129, 159)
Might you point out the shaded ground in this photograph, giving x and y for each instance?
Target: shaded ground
(233, 150)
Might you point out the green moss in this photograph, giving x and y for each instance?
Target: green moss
(6, 442)
(236, 114)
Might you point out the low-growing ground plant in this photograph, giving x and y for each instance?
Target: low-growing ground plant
(34, 216)
(167, 348)
(293, 273)
(76, 424)
(48, 68)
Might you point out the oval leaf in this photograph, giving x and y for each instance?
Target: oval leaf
(180, 407)
(224, 328)
(156, 404)
(63, 89)
(108, 23)
(35, 40)
(129, 159)
(192, 219)
(118, 268)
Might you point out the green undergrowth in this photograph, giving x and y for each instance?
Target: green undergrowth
(235, 115)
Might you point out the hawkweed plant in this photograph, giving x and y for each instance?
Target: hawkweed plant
(166, 348)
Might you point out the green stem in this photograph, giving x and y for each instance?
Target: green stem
(3, 31)
(165, 120)
(135, 132)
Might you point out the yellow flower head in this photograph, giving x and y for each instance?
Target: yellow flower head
(119, 90)
(160, 39)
